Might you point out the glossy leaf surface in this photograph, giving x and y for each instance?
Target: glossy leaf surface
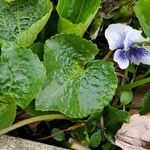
(21, 74)
(76, 15)
(78, 86)
(142, 8)
(22, 20)
(7, 111)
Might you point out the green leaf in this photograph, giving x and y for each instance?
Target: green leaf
(126, 97)
(81, 135)
(95, 27)
(76, 15)
(38, 49)
(9, 1)
(95, 139)
(31, 110)
(7, 111)
(78, 86)
(108, 146)
(142, 8)
(58, 134)
(21, 73)
(22, 20)
(113, 119)
(146, 103)
(93, 122)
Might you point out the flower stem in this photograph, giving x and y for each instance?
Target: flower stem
(49, 117)
(107, 55)
(134, 75)
(143, 75)
(117, 97)
(72, 128)
(124, 107)
(134, 84)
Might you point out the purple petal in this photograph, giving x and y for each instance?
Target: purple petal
(134, 60)
(115, 35)
(145, 59)
(137, 54)
(133, 36)
(121, 58)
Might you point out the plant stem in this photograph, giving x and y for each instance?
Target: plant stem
(134, 84)
(124, 107)
(107, 55)
(125, 76)
(143, 75)
(134, 75)
(128, 107)
(72, 128)
(32, 120)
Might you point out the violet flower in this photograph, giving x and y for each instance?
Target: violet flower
(124, 39)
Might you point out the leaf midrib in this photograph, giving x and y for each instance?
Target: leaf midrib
(70, 78)
(80, 12)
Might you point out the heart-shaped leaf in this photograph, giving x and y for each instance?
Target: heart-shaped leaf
(22, 20)
(76, 15)
(21, 73)
(142, 12)
(77, 86)
(7, 111)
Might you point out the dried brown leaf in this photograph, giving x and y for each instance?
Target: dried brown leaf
(135, 135)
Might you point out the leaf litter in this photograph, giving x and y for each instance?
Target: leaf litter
(136, 134)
